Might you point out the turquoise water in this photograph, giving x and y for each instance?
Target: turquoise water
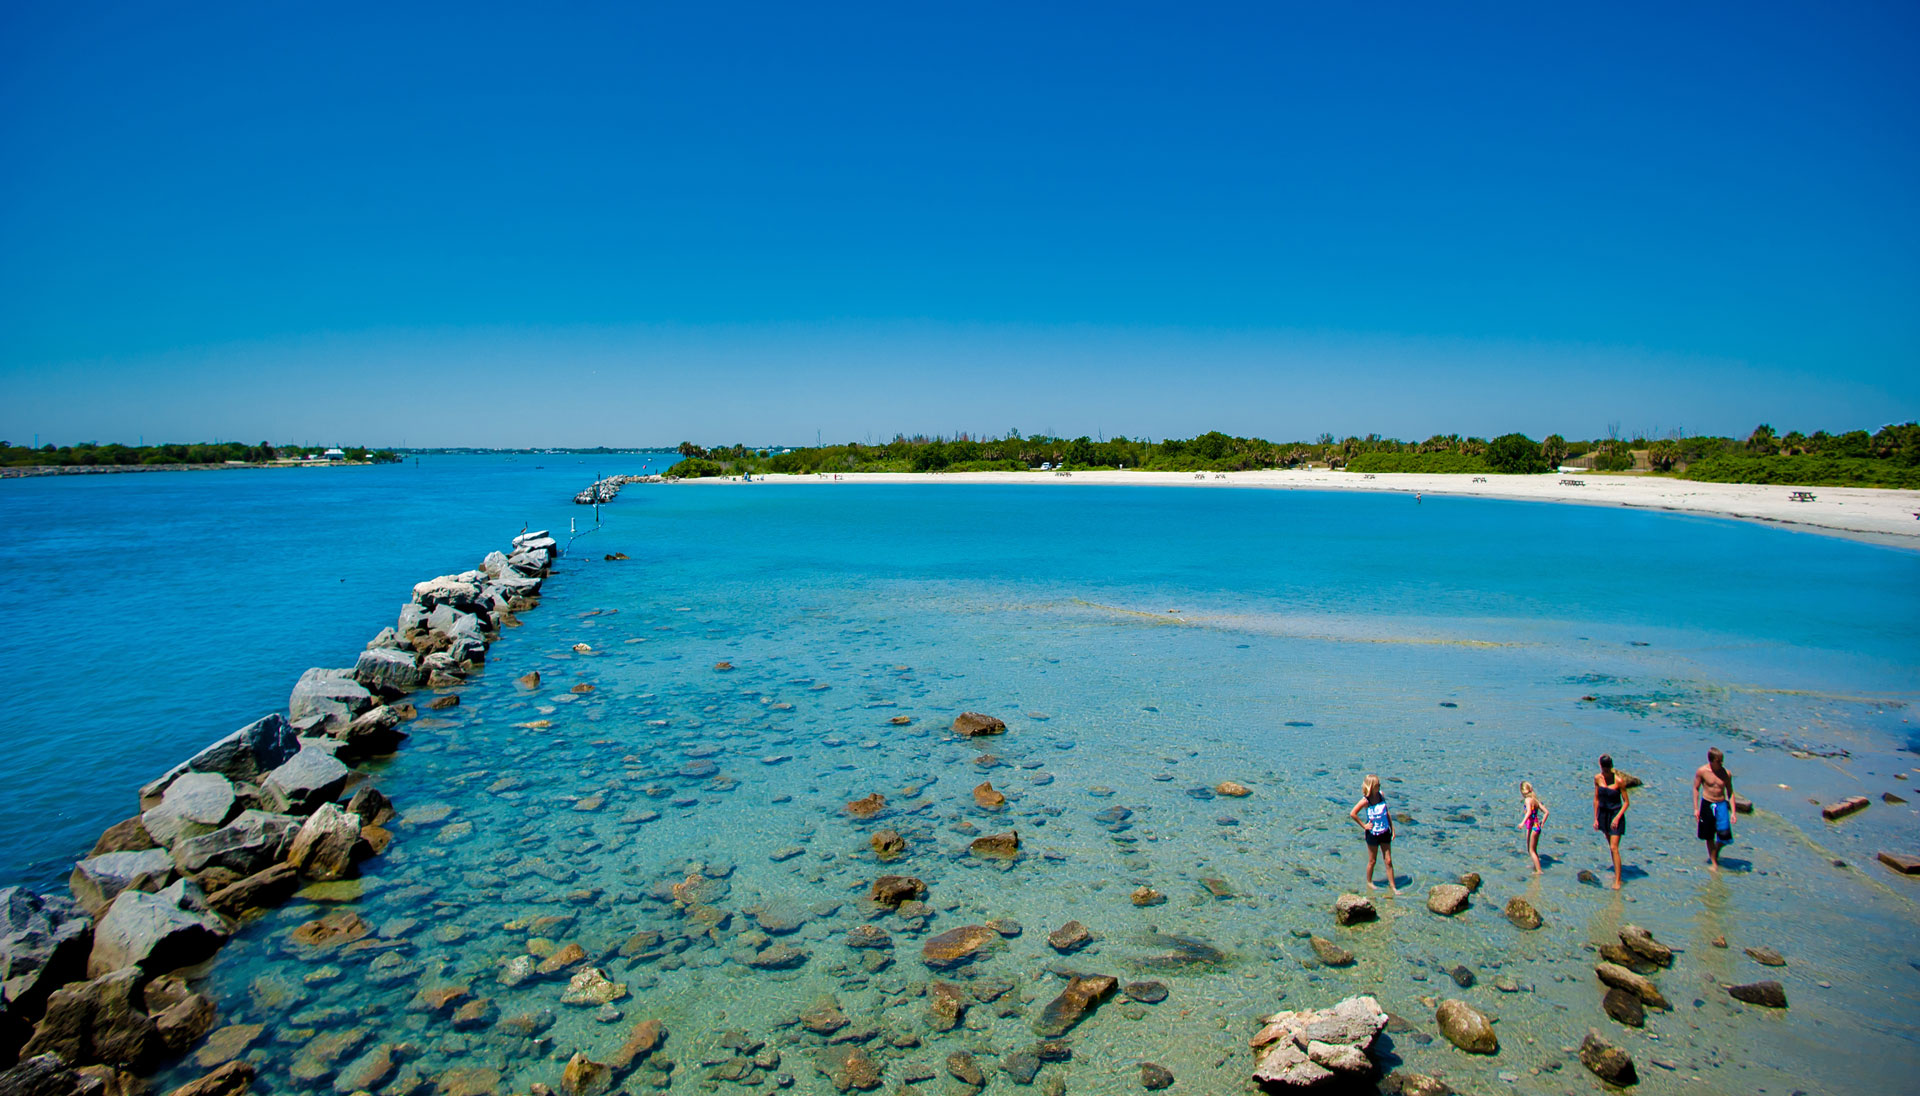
(1142, 645)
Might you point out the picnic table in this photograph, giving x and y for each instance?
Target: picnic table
(1801, 496)
(1573, 483)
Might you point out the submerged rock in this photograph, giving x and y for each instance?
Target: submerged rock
(956, 946)
(1330, 953)
(1075, 1003)
(973, 724)
(1232, 789)
(1624, 1006)
(891, 890)
(888, 844)
(1466, 1027)
(1522, 914)
(867, 806)
(987, 798)
(591, 987)
(996, 846)
(1147, 896)
(1070, 937)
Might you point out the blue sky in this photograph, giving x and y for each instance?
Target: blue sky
(636, 223)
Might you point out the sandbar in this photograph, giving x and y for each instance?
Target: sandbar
(1875, 515)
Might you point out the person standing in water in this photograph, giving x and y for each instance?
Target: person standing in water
(1534, 817)
(1377, 825)
(1713, 805)
(1610, 809)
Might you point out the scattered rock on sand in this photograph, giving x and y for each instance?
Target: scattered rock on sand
(956, 946)
(1471, 881)
(971, 724)
(1614, 974)
(1606, 1061)
(996, 846)
(1330, 953)
(891, 890)
(1641, 943)
(1070, 937)
(1075, 1003)
(1624, 1005)
(1768, 994)
(591, 987)
(1147, 896)
(1352, 909)
(987, 798)
(1447, 899)
(1522, 914)
(1315, 1048)
(867, 806)
(232, 1079)
(1154, 1077)
(1147, 993)
(1766, 957)
(1232, 789)
(888, 844)
(1466, 1027)
(1834, 811)
(1905, 865)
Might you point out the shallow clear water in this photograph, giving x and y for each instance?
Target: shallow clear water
(1142, 645)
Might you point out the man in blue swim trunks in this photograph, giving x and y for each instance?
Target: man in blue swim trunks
(1713, 805)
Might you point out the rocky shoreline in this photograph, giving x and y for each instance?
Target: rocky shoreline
(97, 989)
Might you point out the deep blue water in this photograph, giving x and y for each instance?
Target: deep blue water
(1143, 644)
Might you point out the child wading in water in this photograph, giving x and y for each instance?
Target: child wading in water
(1530, 822)
(1378, 827)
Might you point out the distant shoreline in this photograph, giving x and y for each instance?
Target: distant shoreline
(1874, 515)
(26, 471)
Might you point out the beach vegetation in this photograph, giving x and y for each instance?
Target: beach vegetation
(1515, 454)
(95, 454)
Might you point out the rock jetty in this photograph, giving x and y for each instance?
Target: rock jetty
(93, 993)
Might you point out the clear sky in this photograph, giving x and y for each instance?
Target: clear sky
(635, 223)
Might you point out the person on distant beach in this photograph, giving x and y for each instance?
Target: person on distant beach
(1377, 826)
(1610, 809)
(1535, 816)
(1713, 805)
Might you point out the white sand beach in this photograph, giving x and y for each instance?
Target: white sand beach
(1862, 513)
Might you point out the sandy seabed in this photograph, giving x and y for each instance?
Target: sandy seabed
(1863, 513)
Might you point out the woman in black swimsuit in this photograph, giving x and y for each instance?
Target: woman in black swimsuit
(1610, 809)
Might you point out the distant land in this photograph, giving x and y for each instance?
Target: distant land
(1887, 458)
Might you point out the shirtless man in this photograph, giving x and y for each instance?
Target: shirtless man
(1713, 806)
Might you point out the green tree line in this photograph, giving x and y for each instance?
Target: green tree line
(113, 453)
(1890, 457)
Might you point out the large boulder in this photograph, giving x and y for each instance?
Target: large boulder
(312, 777)
(325, 701)
(243, 757)
(98, 880)
(514, 584)
(1466, 1027)
(102, 1021)
(250, 843)
(447, 590)
(327, 845)
(1312, 1048)
(386, 670)
(43, 944)
(154, 932)
(195, 803)
(458, 633)
(1352, 909)
(46, 1075)
(373, 733)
